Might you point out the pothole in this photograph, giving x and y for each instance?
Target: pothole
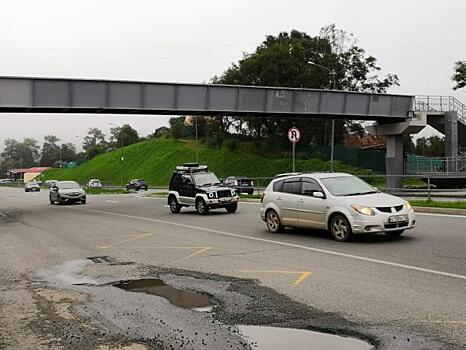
(274, 338)
(179, 297)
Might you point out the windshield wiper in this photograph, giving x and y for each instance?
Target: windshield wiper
(207, 184)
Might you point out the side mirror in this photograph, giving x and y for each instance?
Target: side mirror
(318, 194)
(54, 188)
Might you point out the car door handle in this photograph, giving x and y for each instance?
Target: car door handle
(301, 201)
(279, 198)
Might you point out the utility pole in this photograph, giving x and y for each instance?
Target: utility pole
(332, 142)
(122, 158)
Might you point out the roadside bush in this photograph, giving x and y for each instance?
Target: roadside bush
(232, 145)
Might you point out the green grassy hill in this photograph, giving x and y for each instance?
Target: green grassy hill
(155, 160)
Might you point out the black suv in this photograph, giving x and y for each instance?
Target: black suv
(194, 185)
(137, 184)
(240, 183)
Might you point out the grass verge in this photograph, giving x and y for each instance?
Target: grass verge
(438, 204)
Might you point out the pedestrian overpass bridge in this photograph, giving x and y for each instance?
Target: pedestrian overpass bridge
(395, 115)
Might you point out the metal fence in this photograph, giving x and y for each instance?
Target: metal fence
(435, 165)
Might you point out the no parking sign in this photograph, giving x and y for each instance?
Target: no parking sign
(294, 135)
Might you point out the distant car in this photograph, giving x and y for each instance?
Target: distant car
(32, 186)
(94, 183)
(341, 203)
(194, 185)
(137, 184)
(66, 192)
(240, 183)
(5, 181)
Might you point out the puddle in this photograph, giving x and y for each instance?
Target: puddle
(178, 297)
(272, 338)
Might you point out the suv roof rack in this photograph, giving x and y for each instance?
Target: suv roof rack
(191, 167)
(286, 174)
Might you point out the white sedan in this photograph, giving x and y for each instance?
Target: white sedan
(341, 203)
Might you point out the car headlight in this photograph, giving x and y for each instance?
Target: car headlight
(408, 206)
(233, 193)
(362, 210)
(211, 194)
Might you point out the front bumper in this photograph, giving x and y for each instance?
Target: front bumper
(222, 202)
(65, 198)
(362, 224)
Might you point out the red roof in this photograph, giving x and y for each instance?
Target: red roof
(28, 170)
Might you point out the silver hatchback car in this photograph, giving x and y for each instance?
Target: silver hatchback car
(341, 203)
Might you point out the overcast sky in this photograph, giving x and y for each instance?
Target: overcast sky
(191, 41)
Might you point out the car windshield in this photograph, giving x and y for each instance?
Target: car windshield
(347, 186)
(206, 179)
(69, 185)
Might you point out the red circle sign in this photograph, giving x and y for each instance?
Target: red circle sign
(294, 135)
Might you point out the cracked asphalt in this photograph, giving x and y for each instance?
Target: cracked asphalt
(394, 293)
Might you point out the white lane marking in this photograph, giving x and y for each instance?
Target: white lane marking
(286, 244)
(109, 201)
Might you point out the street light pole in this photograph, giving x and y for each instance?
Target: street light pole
(332, 142)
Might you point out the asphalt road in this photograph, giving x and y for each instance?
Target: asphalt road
(407, 292)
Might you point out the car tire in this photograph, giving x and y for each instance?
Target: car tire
(51, 201)
(232, 208)
(175, 207)
(340, 228)
(395, 233)
(272, 220)
(201, 206)
(26, 191)
(146, 188)
(83, 201)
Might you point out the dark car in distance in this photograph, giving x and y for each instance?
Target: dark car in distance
(241, 184)
(137, 184)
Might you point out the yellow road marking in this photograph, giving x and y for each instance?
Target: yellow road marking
(302, 274)
(127, 240)
(199, 251)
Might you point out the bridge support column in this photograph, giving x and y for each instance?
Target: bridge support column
(394, 162)
(451, 139)
(393, 134)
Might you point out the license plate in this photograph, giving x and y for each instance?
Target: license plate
(397, 218)
(225, 199)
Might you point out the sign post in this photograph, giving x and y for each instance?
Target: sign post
(294, 135)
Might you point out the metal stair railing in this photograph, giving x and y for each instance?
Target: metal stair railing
(440, 104)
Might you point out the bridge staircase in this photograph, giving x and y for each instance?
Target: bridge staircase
(436, 107)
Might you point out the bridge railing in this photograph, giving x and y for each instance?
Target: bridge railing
(440, 104)
(436, 165)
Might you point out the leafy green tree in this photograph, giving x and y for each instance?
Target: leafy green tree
(124, 135)
(68, 152)
(295, 59)
(459, 77)
(178, 128)
(433, 146)
(20, 154)
(50, 150)
(94, 137)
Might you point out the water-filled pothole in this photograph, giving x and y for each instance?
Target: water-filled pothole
(272, 338)
(178, 297)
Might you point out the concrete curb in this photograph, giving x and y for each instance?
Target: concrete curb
(445, 211)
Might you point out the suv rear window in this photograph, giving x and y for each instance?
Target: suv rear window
(288, 186)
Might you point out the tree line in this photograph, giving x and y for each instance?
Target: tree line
(28, 152)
